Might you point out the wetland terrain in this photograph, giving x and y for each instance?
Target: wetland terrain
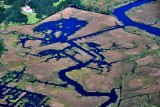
(79, 58)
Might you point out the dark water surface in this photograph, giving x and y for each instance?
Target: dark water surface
(67, 27)
(120, 14)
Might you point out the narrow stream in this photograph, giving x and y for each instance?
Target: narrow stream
(67, 27)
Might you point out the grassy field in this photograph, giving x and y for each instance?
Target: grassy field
(57, 3)
(31, 18)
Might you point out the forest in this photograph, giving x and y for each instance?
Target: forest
(42, 8)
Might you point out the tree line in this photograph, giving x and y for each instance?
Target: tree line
(2, 49)
(13, 14)
(46, 7)
(41, 8)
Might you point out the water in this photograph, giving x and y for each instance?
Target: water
(67, 27)
(120, 14)
(14, 94)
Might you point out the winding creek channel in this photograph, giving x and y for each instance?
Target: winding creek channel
(69, 27)
(120, 14)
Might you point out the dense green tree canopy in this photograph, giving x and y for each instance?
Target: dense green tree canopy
(2, 10)
(45, 7)
(15, 2)
(2, 49)
(42, 7)
(14, 14)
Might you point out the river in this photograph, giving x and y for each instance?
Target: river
(120, 14)
(69, 27)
